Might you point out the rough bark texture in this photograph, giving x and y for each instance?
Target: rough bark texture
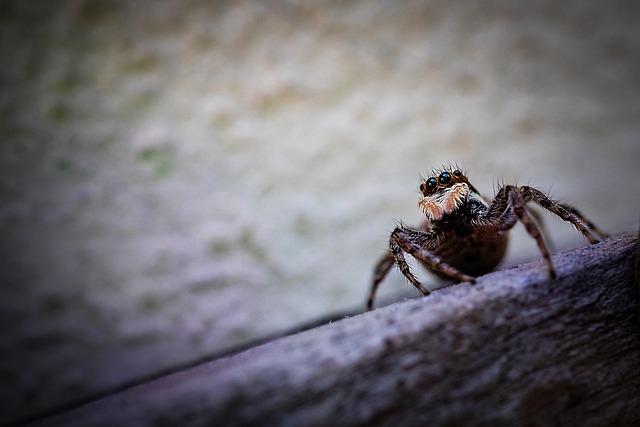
(516, 349)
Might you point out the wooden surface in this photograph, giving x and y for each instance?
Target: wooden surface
(516, 349)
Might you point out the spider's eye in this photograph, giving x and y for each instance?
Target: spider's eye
(444, 178)
(457, 173)
(432, 183)
(422, 187)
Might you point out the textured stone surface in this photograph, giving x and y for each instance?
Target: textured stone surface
(180, 178)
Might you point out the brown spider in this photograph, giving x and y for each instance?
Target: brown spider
(465, 235)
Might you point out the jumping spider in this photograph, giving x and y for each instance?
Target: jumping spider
(465, 235)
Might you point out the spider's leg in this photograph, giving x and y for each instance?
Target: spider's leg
(590, 224)
(385, 264)
(419, 245)
(379, 273)
(569, 215)
(398, 257)
(537, 217)
(518, 202)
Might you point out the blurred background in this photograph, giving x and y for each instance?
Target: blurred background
(181, 178)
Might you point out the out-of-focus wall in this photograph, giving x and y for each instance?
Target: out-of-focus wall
(179, 178)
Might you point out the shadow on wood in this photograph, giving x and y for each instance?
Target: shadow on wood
(516, 349)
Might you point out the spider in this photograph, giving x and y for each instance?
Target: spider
(464, 234)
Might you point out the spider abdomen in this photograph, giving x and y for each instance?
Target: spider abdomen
(474, 254)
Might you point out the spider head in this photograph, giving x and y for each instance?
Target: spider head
(444, 193)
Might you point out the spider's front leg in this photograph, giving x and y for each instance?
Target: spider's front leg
(379, 273)
(420, 245)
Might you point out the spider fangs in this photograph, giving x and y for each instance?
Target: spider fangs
(465, 235)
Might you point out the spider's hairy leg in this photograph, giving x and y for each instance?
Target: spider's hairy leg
(570, 215)
(518, 201)
(539, 219)
(582, 218)
(379, 273)
(420, 245)
(398, 257)
(386, 262)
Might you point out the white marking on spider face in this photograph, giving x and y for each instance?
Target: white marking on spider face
(444, 201)
(431, 208)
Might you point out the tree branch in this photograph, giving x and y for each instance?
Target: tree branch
(516, 349)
